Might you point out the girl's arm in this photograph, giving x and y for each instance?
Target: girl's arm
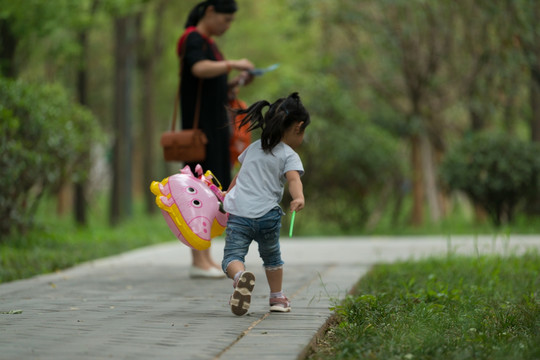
(233, 182)
(296, 190)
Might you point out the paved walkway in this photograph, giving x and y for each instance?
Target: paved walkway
(142, 305)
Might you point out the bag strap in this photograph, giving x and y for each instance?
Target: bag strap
(197, 107)
(177, 98)
(175, 112)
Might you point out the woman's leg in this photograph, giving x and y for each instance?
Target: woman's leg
(200, 259)
(203, 259)
(202, 265)
(208, 256)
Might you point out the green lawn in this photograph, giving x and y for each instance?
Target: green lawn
(485, 307)
(56, 243)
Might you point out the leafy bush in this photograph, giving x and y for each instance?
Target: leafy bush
(348, 160)
(44, 139)
(496, 171)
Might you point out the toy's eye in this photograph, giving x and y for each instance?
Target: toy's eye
(196, 203)
(191, 190)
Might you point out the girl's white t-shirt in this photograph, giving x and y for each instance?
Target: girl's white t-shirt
(261, 180)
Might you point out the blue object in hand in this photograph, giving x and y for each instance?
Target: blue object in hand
(259, 72)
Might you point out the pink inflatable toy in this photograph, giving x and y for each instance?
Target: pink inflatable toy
(192, 206)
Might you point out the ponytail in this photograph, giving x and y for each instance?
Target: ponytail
(196, 14)
(254, 115)
(280, 115)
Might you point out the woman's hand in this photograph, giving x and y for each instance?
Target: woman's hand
(244, 78)
(209, 68)
(242, 64)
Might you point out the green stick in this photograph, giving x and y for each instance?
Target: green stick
(292, 223)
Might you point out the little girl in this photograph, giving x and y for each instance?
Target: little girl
(253, 198)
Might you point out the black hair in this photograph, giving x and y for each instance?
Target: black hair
(281, 115)
(221, 6)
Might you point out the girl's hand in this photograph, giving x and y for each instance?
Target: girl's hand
(297, 204)
(295, 189)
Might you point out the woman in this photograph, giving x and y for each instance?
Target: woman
(203, 86)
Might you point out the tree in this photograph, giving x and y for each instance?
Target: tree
(496, 171)
(32, 166)
(80, 203)
(124, 55)
(407, 56)
(524, 15)
(8, 44)
(149, 50)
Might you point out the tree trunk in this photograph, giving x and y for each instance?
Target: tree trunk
(147, 110)
(533, 203)
(148, 56)
(121, 203)
(534, 98)
(63, 199)
(8, 46)
(535, 101)
(477, 121)
(79, 200)
(429, 174)
(535, 80)
(417, 218)
(378, 211)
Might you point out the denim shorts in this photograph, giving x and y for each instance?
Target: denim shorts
(242, 231)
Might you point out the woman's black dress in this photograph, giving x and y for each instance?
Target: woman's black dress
(213, 118)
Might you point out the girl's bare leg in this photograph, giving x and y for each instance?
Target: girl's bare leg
(234, 267)
(275, 279)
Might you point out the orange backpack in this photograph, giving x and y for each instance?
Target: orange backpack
(240, 137)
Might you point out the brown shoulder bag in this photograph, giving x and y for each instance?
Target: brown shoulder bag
(186, 145)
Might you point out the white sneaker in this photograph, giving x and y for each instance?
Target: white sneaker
(211, 273)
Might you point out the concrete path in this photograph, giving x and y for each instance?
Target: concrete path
(142, 304)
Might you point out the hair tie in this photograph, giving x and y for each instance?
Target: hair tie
(282, 106)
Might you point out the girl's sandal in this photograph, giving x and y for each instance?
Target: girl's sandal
(241, 297)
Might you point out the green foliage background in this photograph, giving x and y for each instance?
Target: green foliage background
(374, 75)
(496, 171)
(46, 140)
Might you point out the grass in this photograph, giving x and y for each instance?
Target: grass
(57, 243)
(485, 307)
